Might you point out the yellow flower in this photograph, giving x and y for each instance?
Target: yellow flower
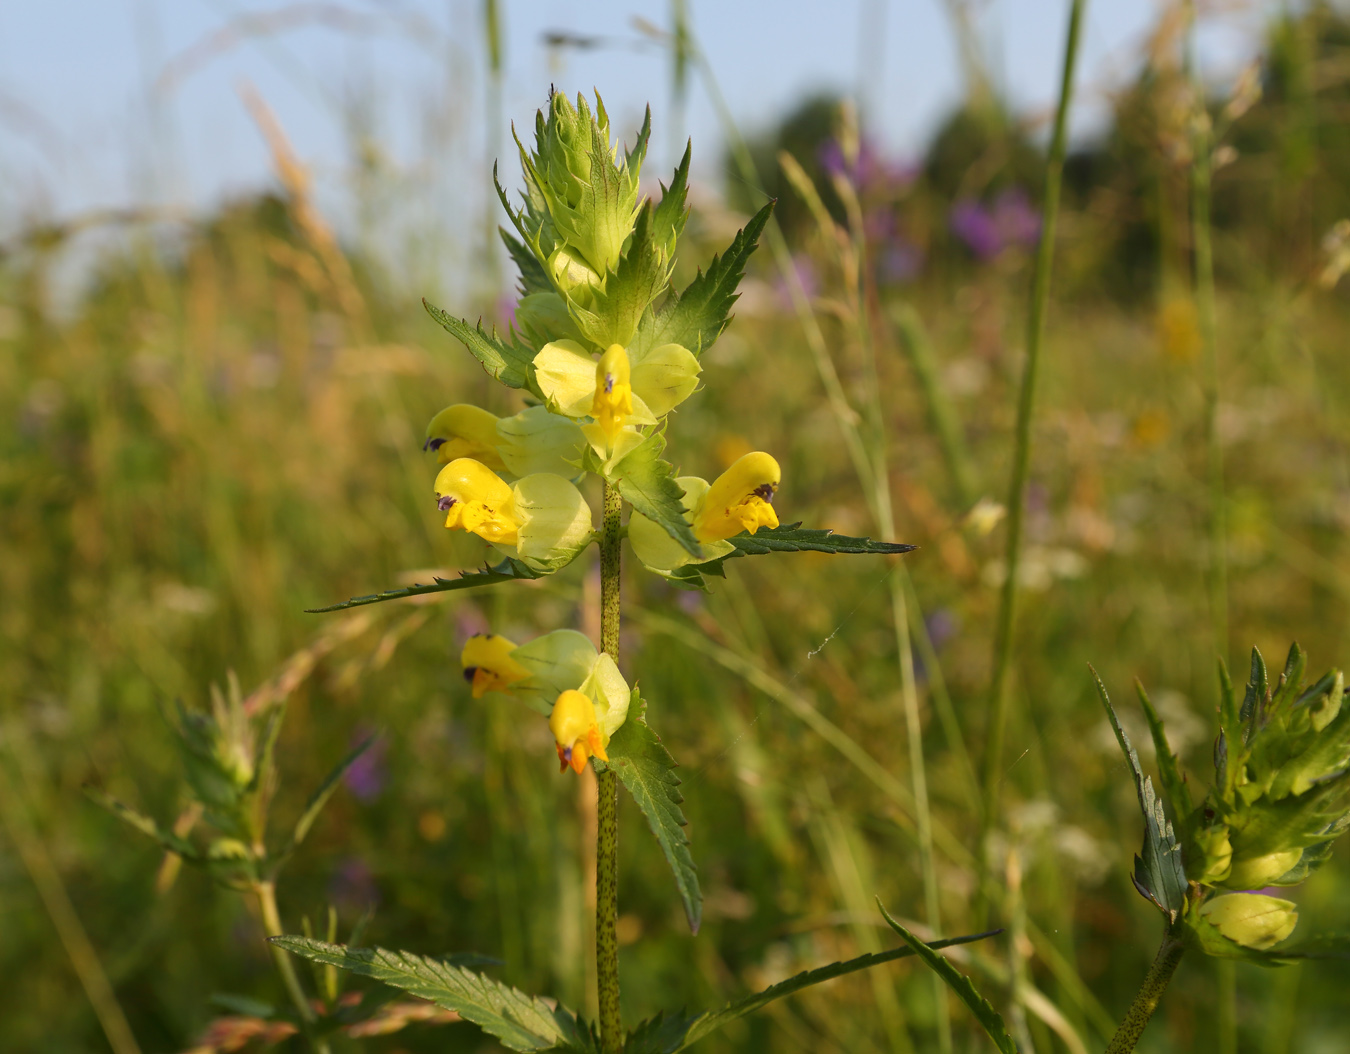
(740, 499)
(620, 391)
(533, 440)
(576, 730)
(464, 430)
(488, 665)
(477, 500)
(543, 519)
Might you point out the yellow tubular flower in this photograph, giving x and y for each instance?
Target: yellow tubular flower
(464, 430)
(576, 730)
(740, 499)
(613, 401)
(488, 665)
(476, 499)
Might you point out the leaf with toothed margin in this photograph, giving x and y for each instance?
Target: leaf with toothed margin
(646, 768)
(789, 538)
(508, 570)
(986, 1015)
(1158, 872)
(648, 484)
(520, 1021)
(508, 363)
(533, 277)
(696, 317)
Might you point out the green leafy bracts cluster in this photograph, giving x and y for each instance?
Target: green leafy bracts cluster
(1281, 796)
(228, 756)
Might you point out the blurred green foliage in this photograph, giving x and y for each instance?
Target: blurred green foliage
(225, 430)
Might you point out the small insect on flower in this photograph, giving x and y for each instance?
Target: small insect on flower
(577, 731)
(488, 665)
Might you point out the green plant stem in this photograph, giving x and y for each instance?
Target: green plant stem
(1132, 1027)
(1026, 404)
(607, 809)
(266, 892)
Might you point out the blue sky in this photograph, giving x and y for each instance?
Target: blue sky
(113, 103)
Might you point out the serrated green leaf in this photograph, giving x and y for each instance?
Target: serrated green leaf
(696, 317)
(714, 1019)
(648, 484)
(789, 538)
(167, 840)
(520, 1021)
(1175, 792)
(508, 570)
(1324, 946)
(508, 363)
(670, 215)
(646, 768)
(662, 1034)
(320, 797)
(986, 1015)
(1158, 872)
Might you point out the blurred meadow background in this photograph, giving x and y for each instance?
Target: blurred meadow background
(217, 223)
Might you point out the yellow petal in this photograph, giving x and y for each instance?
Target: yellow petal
(476, 499)
(464, 430)
(612, 402)
(488, 665)
(575, 730)
(665, 377)
(566, 376)
(740, 499)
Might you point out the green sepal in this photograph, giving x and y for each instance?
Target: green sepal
(646, 768)
(648, 484)
(989, 1018)
(709, 1022)
(696, 317)
(508, 570)
(1158, 872)
(1202, 935)
(506, 362)
(519, 1021)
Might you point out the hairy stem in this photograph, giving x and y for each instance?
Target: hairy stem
(1017, 485)
(1132, 1027)
(266, 893)
(607, 810)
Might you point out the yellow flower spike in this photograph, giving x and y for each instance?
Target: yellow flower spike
(477, 500)
(612, 404)
(464, 430)
(740, 499)
(576, 731)
(488, 665)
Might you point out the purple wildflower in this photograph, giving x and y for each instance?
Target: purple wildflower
(974, 224)
(368, 774)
